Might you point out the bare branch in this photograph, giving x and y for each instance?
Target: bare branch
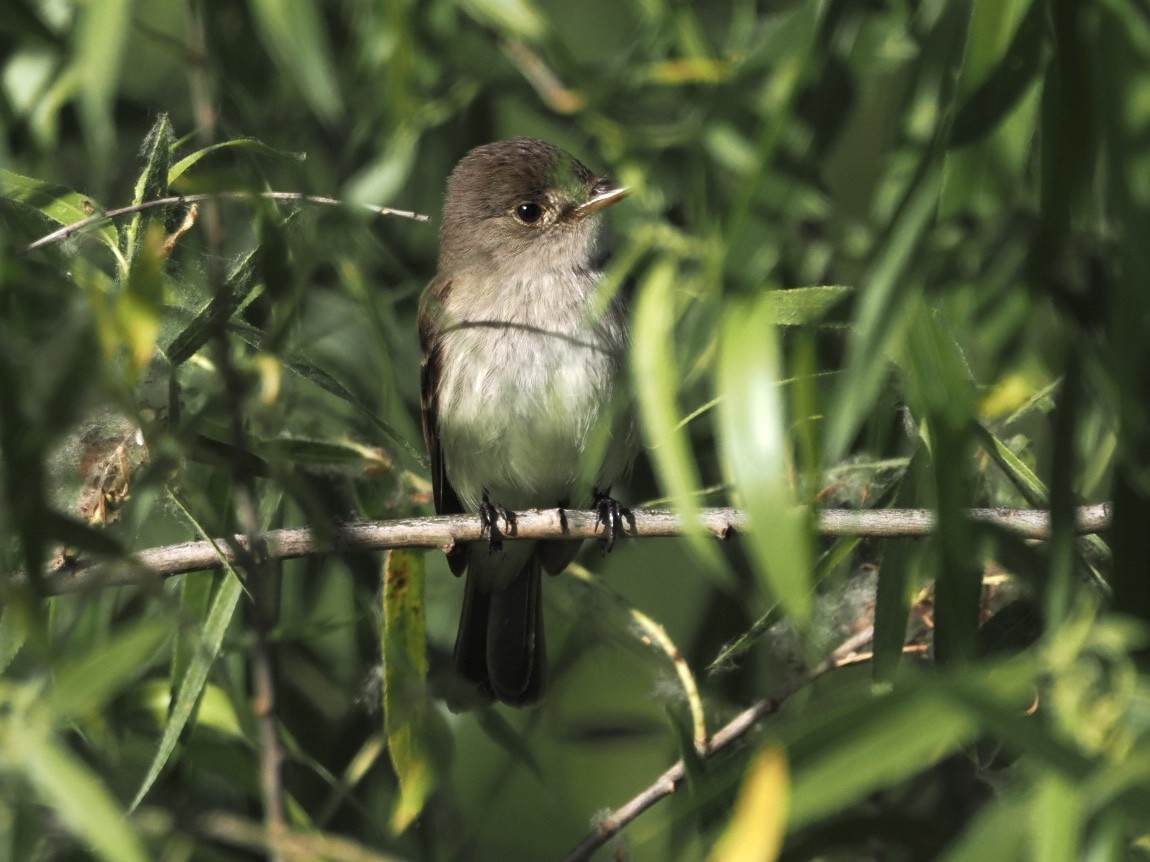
(178, 200)
(610, 825)
(445, 531)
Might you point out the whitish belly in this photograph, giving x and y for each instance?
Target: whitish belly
(519, 414)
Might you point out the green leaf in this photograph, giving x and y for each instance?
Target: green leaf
(883, 313)
(65, 784)
(1001, 90)
(12, 636)
(152, 182)
(61, 205)
(88, 682)
(759, 820)
(655, 379)
(191, 686)
(756, 455)
(240, 285)
(518, 18)
(994, 835)
(139, 305)
(294, 33)
(101, 36)
(804, 306)
(1057, 819)
(189, 161)
(872, 745)
(414, 732)
(893, 593)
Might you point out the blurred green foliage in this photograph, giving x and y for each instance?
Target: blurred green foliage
(886, 254)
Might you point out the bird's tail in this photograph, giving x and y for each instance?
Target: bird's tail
(500, 646)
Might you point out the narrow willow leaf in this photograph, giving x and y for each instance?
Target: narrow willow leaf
(240, 285)
(804, 306)
(70, 789)
(294, 33)
(518, 18)
(882, 316)
(11, 636)
(939, 386)
(189, 161)
(101, 35)
(875, 744)
(413, 733)
(655, 379)
(759, 820)
(994, 835)
(91, 680)
(139, 305)
(893, 592)
(62, 205)
(192, 684)
(1000, 90)
(152, 182)
(756, 458)
(1057, 819)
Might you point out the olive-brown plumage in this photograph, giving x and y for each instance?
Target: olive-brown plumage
(519, 384)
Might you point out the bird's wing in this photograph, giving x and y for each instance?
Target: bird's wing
(430, 368)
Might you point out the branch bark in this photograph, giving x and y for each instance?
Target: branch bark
(611, 824)
(445, 531)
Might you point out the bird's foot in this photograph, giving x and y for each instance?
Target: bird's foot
(489, 515)
(609, 513)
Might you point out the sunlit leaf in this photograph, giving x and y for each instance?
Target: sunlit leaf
(192, 159)
(520, 18)
(803, 306)
(653, 370)
(89, 681)
(757, 457)
(758, 822)
(63, 206)
(152, 182)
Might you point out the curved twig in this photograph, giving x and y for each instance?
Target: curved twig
(610, 825)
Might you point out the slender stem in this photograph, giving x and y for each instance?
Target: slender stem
(445, 531)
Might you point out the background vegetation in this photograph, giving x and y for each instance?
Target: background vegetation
(886, 254)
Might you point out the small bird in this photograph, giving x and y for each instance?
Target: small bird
(520, 388)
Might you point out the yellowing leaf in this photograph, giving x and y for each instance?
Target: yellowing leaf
(758, 823)
(414, 735)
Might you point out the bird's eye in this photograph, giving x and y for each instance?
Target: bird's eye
(529, 212)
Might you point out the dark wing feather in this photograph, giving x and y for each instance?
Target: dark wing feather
(431, 345)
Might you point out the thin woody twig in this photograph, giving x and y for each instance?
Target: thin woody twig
(178, 200)
(444, 531)
(666, 784)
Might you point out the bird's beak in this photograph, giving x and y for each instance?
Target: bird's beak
(603, 195)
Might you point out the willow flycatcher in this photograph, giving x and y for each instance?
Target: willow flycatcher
(520, 384)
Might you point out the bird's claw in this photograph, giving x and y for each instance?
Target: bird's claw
(609, 513)
(489, 515)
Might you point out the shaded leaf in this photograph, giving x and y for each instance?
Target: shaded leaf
(88, 682)
(75, 794)
(295, 35)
